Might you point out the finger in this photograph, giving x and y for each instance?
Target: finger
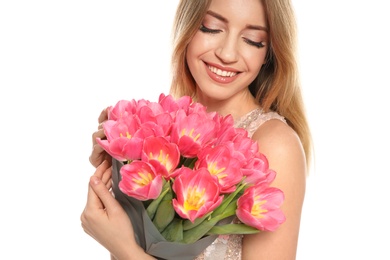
(109, 185)
(98, 134)
(109, 202)
(93, 200)
(106, 178)
(96, 158)
(103, 115)
(101, 170)
(96, 148)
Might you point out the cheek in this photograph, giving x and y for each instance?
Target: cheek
(202, 43)
(198, 47)
(254, 59)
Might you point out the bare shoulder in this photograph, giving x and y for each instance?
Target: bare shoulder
(281, 145)
(283, 149)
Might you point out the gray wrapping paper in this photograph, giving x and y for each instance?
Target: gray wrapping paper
(146, 234)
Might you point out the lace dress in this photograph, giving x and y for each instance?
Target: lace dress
(228, 247)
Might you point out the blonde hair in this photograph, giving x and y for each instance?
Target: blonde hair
(188, 19)
(277, 87)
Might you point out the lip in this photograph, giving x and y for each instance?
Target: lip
(218, 78)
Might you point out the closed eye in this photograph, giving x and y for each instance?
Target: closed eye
(215, 31)
(253, 43)
(208, 30)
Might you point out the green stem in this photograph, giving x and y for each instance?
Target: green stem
(226, 201)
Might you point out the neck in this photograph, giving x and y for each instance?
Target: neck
(236, 106)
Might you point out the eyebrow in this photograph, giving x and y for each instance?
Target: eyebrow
(218, 16)
(248, 26)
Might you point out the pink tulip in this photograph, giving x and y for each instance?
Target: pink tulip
(192, 132)
(198, 108)
(121, 135)
(163, 155)
(226, 131)
(140, 181)
(125, 137)
(259, 207)
(122, 108)
(154, 114)
(197, 193)
(256, 170)
(172, 105)
(220, 162)
(244, 144)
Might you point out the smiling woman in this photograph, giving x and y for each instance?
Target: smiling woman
(237, 58)
(62, 62)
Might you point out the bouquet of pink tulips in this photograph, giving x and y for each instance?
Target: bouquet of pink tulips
(192, 171)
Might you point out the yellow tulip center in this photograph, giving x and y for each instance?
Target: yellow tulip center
(128, 135)
(194, 199)
(212, 167)
(144, 179)
(162, 158)
(256, 210)
(190, 134)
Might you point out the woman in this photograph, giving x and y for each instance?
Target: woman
(235, 57)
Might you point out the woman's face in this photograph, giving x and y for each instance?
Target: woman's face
(227, 52)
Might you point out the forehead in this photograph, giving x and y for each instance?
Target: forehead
(250, 12)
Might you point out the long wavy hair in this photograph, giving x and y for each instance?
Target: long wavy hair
(276, 88)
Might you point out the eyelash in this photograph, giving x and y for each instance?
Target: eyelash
(208, 30)
(213, 31)
(256, 44)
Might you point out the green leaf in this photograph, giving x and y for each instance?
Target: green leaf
(232, 229)
(196, 233)
(164, 215)
(227, 200)
(187, 224)
(190, 162)
(169, 194)
(151, 209)
(229, 211)
(174, 231)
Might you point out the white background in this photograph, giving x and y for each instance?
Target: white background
(62, 62)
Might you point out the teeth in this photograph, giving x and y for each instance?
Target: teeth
(222, 73)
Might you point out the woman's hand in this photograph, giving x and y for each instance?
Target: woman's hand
(105, 220)
(98, 154)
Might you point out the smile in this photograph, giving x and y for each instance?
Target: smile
(222, 73)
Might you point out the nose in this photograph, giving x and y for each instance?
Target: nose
(227, 51)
